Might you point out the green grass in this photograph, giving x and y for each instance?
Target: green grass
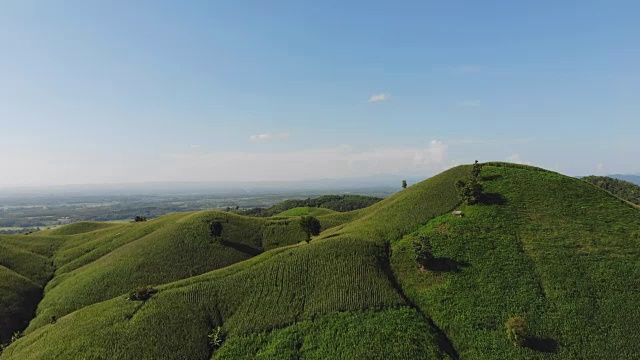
(273, 290)
(305, 211)
(79, 228)
(111, 262)
(557, 251)
(337, 272)
(391, 334)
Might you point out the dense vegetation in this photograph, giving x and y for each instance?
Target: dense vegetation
(555, 253)
(620, 188)
(339, 203)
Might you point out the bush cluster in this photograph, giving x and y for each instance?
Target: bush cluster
(215, 337)
(142, 293)
(517, 331)
(422, 251)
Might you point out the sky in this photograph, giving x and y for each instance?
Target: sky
(136, 91)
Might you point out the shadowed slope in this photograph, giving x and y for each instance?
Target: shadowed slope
(25, 267)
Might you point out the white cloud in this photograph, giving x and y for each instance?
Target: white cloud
(379, 97)
(260, 137)
(515, 158)
(470, 103)
(435, 153)
(201, 165)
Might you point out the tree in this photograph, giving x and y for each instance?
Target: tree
(475, 170)
(139, 218)
(471, 189)
(310, 225)
(404, 184)
(215, 229)
(517, 330)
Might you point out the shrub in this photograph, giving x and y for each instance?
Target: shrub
(215, 229)
(142, 293)
(139, 218)
(517, 331)
(215, 337)
(16, 335)
(422, 251)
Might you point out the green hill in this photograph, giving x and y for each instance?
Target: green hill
(620, 188)
(555, 250)
(305, 211)
(339, 203)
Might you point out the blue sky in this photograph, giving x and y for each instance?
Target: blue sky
(130, 91)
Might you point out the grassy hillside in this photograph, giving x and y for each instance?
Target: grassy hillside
(81, 227)
(307, 210)
(623, 189)
(335, 273)
(549, 248)
(339, 203)
(138, 254)
(557, 251)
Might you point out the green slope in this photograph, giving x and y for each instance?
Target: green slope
(338, 272)
(550, 248)
(107, 263)
(80, 227)
(623, 189)
(555, 250)
(305, 211)
(341, 203)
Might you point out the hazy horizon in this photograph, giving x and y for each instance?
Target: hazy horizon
(132, 92)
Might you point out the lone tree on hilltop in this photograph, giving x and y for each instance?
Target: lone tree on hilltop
(310, 225)
(471, 189)
(215, 229)
(475, 170)
(404, 184)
